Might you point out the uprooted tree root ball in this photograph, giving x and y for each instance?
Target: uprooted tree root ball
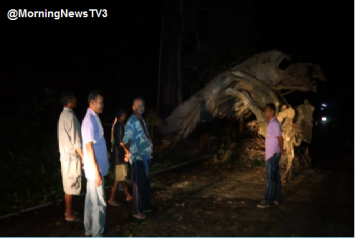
(245, 90)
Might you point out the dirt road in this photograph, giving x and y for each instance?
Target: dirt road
(205, 199)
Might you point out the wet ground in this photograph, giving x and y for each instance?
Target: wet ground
(208, 199)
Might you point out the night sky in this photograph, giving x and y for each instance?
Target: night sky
(120, 54)
(319, 32)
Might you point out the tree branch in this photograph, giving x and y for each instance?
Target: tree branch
(249, 102)
(192, 91)
(194, 67)
(258, 85)
(290, 87)
(288, 92)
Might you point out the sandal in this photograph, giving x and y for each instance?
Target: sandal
(114, 203)
(74, 213)
(76, 219)
(139, 216)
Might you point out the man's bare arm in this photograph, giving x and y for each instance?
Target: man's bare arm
(281, 144)
(90, 150)
(126, 148)
(80, 152)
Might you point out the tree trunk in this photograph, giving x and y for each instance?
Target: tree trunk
(179, 83)
(160, 58)
(169, 95)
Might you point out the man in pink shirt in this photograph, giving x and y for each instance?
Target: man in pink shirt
(273, 150)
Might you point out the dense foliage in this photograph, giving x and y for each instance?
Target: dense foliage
(29, 153)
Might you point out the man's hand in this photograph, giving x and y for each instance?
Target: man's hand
(126, 157)
(126, 150)
(98, 179)
(92, 161)
(281, 144)
(80, 153)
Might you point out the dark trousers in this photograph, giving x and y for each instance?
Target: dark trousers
(140, 188)
(273, 176)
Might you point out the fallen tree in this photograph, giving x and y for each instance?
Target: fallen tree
(245, 89)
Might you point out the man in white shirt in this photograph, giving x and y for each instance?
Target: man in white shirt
(69, 140)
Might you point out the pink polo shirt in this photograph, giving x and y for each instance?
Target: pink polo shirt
(271, 142)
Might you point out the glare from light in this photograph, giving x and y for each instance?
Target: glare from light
(324, 119)
(324, 105)
(322, 109)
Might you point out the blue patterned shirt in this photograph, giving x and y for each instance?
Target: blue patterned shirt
(140, 144)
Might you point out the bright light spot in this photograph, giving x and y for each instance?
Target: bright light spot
(324, 105)
(322, 109)
(324, 119)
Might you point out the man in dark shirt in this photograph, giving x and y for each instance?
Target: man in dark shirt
(118, 155)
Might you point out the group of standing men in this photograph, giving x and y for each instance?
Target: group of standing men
(85, 147)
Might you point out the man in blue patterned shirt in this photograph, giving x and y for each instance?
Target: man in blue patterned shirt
(139, 147)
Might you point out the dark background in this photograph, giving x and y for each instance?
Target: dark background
(120, 54)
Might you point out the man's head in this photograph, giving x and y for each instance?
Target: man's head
(68, 99)
(120, 114)
(138, 106)
(96, 101)
(269, 111)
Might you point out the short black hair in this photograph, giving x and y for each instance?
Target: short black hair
(93, 95)
(119, 112)
(271, 106)
(138, 98)
(65, 96)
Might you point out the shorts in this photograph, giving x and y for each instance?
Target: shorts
(121, 172)
(71, 176)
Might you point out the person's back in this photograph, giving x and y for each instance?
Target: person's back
(118, 151)
(120, 166)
